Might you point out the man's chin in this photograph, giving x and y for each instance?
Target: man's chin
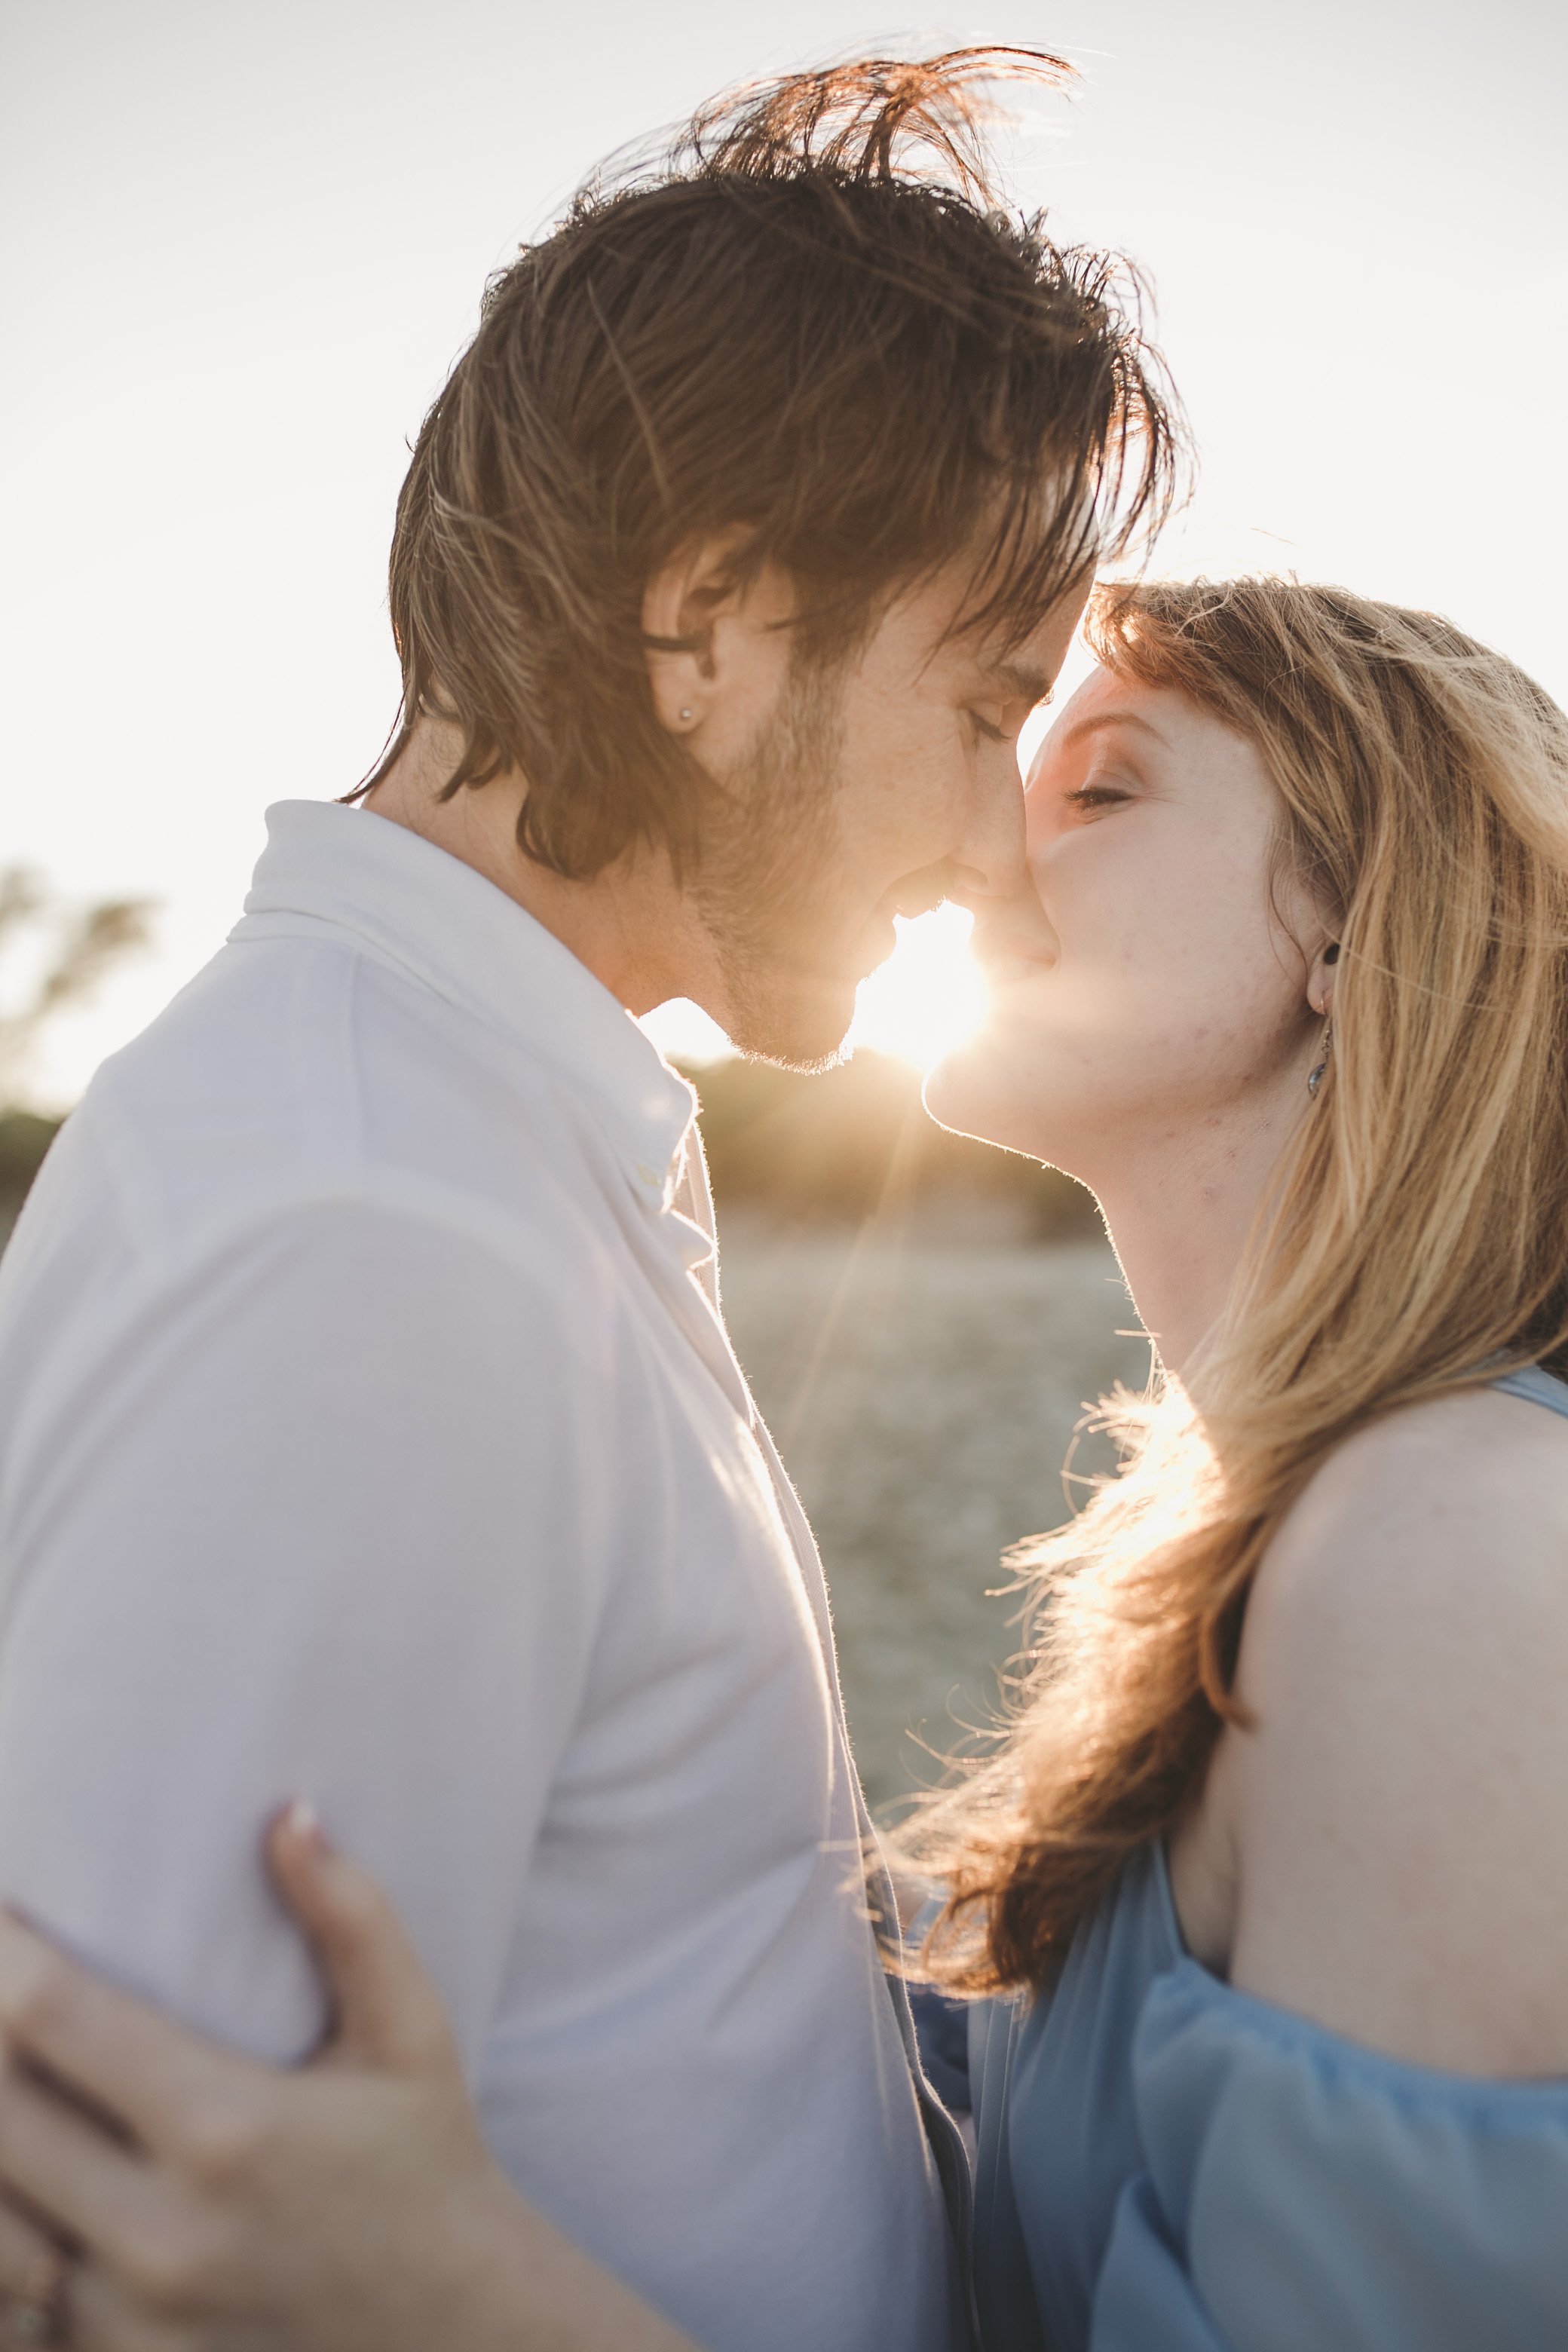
(798, 1029)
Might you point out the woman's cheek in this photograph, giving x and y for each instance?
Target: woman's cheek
(1095, 883)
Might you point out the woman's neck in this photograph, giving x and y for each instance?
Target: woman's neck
(1180, 1207)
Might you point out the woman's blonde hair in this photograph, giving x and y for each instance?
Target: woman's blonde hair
(1417, 1231)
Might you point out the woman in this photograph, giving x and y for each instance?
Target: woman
(1265, 1883)
(1283, 1827)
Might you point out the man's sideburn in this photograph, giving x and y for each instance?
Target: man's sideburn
(764, 888)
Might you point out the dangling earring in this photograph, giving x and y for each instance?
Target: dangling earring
(1315, 1078)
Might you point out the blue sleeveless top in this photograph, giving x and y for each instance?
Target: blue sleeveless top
(1167, 2165)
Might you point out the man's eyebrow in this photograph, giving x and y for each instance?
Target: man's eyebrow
(1024, 684)
(1018, 681)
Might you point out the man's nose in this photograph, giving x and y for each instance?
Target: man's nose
(988, 863)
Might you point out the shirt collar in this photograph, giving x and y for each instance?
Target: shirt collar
(416, 906)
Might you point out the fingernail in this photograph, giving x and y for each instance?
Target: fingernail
(303, 1822)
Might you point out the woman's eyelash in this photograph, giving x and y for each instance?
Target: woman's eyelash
(1097, 795)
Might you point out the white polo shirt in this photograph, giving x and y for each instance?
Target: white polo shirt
(368, 1431)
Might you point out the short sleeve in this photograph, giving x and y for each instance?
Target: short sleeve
(1300, 2192)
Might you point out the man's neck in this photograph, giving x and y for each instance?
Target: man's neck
(630, 924)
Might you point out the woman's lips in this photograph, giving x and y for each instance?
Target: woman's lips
(1007, 950)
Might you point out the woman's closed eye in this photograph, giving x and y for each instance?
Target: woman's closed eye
(1099, 793)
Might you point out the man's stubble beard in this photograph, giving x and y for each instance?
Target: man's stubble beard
(770, 856)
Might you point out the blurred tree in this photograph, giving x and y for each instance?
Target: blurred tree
(87, 941)
(855, 1143)
(73, 949)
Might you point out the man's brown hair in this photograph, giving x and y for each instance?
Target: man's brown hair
(811, 318)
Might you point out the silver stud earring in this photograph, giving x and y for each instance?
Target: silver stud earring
(687, 716)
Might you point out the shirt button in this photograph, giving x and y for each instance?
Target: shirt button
(651, 1175)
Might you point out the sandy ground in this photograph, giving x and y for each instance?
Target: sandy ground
(924, 1398)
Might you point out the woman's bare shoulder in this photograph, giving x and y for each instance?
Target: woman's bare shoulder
(1459, 1505)
(1399, 1804)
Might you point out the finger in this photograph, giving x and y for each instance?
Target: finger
(117, 2053)
(29, 2259)
(388, 2011)
(100, 2316)
(68, 2171)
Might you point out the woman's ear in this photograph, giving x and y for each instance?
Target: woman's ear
(715, 635)
(1321, 979)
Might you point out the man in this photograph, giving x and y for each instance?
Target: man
(370, 1426)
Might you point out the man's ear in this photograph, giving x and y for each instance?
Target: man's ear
(700, 612)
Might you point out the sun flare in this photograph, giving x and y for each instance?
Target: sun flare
(928, 998)
(924, 1000)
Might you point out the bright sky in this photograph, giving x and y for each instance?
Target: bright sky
(241, 243)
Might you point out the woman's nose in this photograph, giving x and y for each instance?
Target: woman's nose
(1013, 928)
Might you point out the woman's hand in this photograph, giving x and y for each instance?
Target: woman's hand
(207, 2204)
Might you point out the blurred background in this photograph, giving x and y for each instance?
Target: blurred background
(241, 242)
